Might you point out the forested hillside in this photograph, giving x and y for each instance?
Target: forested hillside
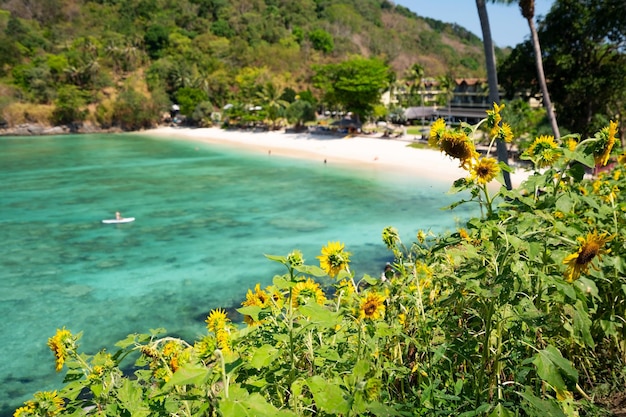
(68, 61)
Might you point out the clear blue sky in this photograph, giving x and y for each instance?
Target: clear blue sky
(508, 27)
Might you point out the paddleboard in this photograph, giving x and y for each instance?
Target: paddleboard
(124, 220)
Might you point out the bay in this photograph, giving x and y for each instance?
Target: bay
(205, 217)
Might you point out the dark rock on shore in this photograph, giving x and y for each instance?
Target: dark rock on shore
(33, 129)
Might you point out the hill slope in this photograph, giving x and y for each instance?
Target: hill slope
(95, 49)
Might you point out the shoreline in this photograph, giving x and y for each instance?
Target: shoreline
(372, 153)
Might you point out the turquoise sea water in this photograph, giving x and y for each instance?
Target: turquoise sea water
(206, 215)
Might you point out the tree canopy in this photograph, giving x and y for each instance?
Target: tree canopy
(354, 85)
(164, 46)
(584, 47)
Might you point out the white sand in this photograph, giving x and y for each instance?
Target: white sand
(367, 152)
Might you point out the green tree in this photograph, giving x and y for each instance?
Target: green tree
(270, 98)
(415, 78)
(355, 84)
(299, 112)
(188, 98)
(527, 8)
(133, 111)
(446, 86)
(69, 106)
(155, 39)
(584, 60)
(322, 41)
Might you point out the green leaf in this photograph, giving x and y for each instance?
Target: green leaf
(72, 390)
(328, 396)
(277, 258)
(500, 411)
(361, 369)
(381, 410)
(551, 365)
(588, 286)
(156, 332)
(188, 374)
(577, 172)
(130, 397)
(583, 158)
(370, 280)
(252, 311)
(540, 407)
(319, 314)
(480, 410)
(313, 270)
(264, 356)
(282, 283)
(564, 204)
(581, 323)
(241, 404)
(129, 341)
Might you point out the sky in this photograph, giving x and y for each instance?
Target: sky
(508, 27)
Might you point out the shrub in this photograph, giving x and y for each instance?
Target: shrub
(132, 111)
(69, 106)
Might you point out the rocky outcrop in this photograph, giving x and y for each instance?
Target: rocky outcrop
(32, 129)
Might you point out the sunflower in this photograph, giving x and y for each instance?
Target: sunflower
(346, 287)
(46, 403)
(458, 145)
(391, 237)
(28, 409)
(505, 133)
(372, 306)
(295, 258)
(257, 298)
(307, 290)
(205, 347)
(603, 147)
(216, 320)
(622, 159)
(544, 151)
(484, 170)
(617, 174)
(578, 263)
(570, 143)
(61, 344)
(436, 132)
(494, 118)
(333, 258)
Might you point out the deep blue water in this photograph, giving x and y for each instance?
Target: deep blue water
(206, 215)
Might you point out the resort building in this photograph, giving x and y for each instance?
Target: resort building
(467, 103)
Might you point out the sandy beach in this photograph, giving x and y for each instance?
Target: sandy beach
(375, 153)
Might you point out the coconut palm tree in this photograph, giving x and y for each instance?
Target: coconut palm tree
(446, 88)
(270, 97)
(492, 79)
(527, 8)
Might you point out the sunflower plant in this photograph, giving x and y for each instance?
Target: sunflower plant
(521, 311)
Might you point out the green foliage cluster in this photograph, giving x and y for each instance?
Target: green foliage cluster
(584, 60)
(519, 312)
(201, 47)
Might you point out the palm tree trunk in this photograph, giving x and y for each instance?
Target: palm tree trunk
(542, 79)
(492, 80)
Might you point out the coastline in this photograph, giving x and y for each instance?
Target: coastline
(373, 153)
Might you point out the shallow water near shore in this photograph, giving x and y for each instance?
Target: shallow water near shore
(205, 217)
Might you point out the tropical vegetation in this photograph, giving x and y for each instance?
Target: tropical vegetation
(584, 60)
(518, 312)
(123, 63)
